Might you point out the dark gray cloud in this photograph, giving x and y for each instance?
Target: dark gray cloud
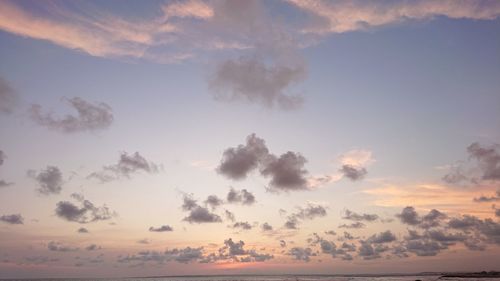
(382, 237)
(8, 97)
(163, 228)
(127, 166)
(85, 213)
(353, 173)
(202, 215)
(485, 163)
(331, 232)
(301, 254)
(330, 248)
(197, 213)
(287, 171)
(242, 225)
(309, 212)
(266, 227)
(2, 157)
(488, 199)
(5, 183)
(350, 215)
(229, 215)
(235, 248)
(368, 251)
(488, 159)
(39, 260)
(424, 247)
(90, 117)
(244, 197)
(213, 201)
(50, 180)
(354, 225)
(189, 203)
(58, 247)
(82, 230)
(237, 162)
(144, 241)
(432, 219)
(236, 252)
(348, 236)
(252, 80)
(409, 216)
(12, 219)
(282, 243)
(93, 247)
(181, 255)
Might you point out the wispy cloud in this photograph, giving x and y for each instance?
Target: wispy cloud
(345, 16)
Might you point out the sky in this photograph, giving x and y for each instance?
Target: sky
(143, 138)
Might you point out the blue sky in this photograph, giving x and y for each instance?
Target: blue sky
(395, 91)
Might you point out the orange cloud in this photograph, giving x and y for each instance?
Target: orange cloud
(432, 195)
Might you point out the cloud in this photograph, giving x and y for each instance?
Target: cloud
(86, 213)
(266, 227)
(236, 252)
(39, 260)
(252, 80)
(197, 213)
(213, 201)
(301, 254)
(181, 255)
(355, 225)
(237, 162)
(58, 247)
(4, 183)
(483, 198)
(353, 173)
(50, 180)
(382, 237)
(194, 9)
(287, 171)
(446, 198)
(2, 157)
(409, 216)
(144, 241)
(229, 215)
(488, 159)
(354, 162)
(350, 215)
(12, 219)
(308, 212)
(82, 230)
(8, 97)
(163, 228)
(202, 215)
(244, 197)
(369, 252)
(90, 117)
(243, 225)
(127, 166)
(93, 247)
(330, 248)
(483, 165)
(345, 16)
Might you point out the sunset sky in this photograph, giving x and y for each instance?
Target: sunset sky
(143, 138)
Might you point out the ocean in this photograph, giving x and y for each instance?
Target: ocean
(276, 278)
